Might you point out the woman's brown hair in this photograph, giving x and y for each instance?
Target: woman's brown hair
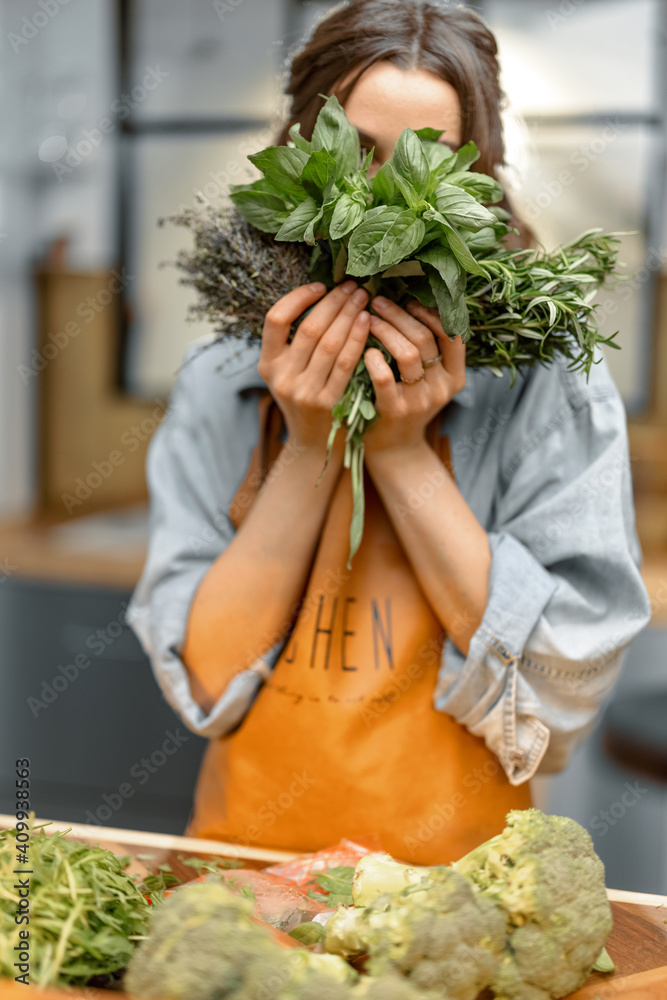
(449, 40)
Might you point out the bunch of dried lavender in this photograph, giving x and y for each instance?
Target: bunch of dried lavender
(237, 271)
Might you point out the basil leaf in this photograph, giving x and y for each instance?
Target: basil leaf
(367, 409)
(452, 308)
(461, 251)
(318, 172)
(364, 246)
(307, 933)
(466, 155)
(365, 166)
(310, 233)
(500, 213)
(483, 239)
(384, 184)
(422, 291)
(296, 225)
(265, 211)
(405, 269)
(410, 164)
(298, 140)
(480, 186)
(347, 214)
(460, 208)
(440, 157)
(334, 133)
(402, 238)
(340, 265)
(282, 166)
(447, 266)
(429, 134)
(331, 194)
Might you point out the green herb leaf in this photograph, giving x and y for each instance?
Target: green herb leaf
(458, 245)
(460, 208)
(483, 239)
(334, 133)
(265, 211)
(447, 266)
(411, 167)
(404, 269)
(300, 222)
(308, 933)
(384, 184)
(429, 134)
(441, 159)
(402, 238)
(453, 309)
(283, 166)
(340, 265)
(348, 213)
(480, 186)
(364, 251)
(298, 140)
(604, 963)
(466, 155)
(319, 170)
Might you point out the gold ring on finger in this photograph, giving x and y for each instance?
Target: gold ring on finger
(432, 361)
(412, 381)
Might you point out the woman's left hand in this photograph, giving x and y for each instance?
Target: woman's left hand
(412, 336)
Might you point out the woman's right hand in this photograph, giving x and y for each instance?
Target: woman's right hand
(309, 375)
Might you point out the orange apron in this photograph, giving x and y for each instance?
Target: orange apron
(343, 739)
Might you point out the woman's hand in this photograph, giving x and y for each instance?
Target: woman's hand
(412, 337)
(309, 375)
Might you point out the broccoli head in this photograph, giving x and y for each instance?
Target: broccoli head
(203, 944)
(544, 873)
(437, 933)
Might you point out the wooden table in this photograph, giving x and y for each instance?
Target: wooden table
(637, 944)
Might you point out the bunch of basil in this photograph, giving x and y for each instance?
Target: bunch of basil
(424, 226)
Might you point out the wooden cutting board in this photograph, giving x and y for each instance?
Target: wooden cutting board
(637, 944)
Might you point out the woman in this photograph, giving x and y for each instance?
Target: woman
(484, 617)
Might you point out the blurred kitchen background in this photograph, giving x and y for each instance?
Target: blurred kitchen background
(116, 112)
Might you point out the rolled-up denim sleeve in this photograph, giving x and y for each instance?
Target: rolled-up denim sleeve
(193, 471)
(566, 595)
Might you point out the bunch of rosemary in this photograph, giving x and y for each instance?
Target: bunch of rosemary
(423, 227)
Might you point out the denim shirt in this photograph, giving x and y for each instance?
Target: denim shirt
(544, 466)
